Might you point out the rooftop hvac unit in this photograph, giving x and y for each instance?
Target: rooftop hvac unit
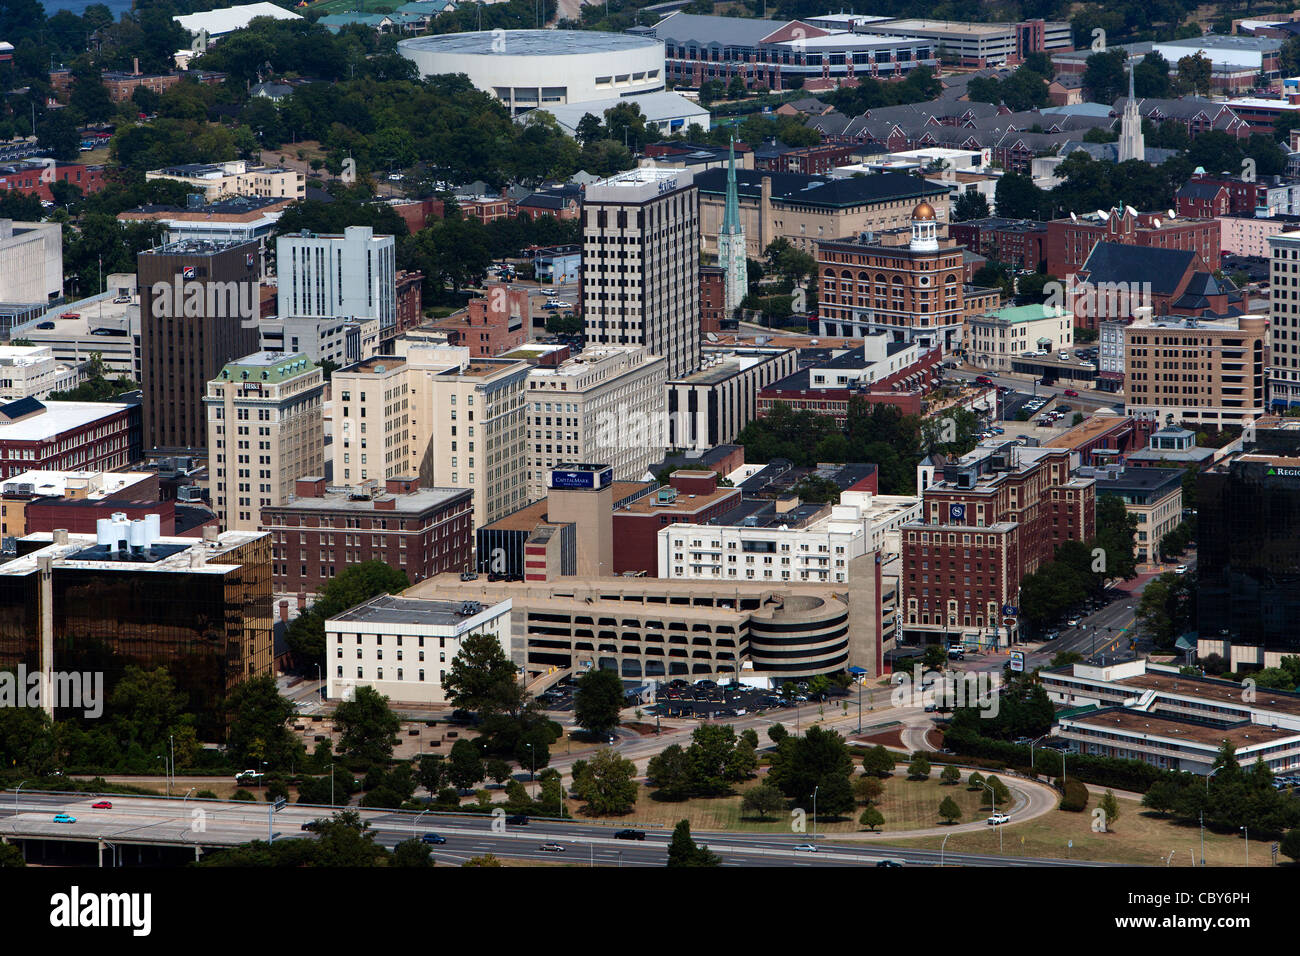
(470, 608)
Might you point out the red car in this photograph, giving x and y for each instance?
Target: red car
(1071, 393)
(102, 805)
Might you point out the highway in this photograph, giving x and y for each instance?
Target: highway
(213, 823)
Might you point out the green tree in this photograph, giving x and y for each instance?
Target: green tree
(11, 855)
(355, 584)
(762, 799)
(483, 679)
(1291, 843)
(259, 728)
(1162, 796)
(868, 789)
(777, 733)
(1103, 76)
(683, 850)
(950, 775)
(368, 726)
(970, 205)
(597, 700)
(670, 772)
(412, 853)
(607, 784)
(465, 766)
(878, 761)
(1109, 806)
(949, 810)
(871, 818)
(919, 768)
(802, 764)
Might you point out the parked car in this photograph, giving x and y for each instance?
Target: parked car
(1181, 569)
(983, 380)
(1072, 393)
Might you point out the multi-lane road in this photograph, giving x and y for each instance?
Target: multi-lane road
(212, 824)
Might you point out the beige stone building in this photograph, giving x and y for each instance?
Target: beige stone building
(1198, 371)
(604, 405)
(235, 178)
(437, 413)
(265, 430)
(804, 209)
(995, 338)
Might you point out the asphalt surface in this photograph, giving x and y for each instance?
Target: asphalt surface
(143, 820)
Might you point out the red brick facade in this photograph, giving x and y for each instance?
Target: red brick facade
(1069, 242)
(318, 534)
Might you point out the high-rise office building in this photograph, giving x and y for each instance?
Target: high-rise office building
(641, 264)
(607, 405)
(436, 413)
(265, 431)
(353, 275)
(198, 311)
(1248, 549)
(1284, 319)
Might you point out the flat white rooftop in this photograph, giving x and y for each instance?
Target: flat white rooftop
(57, 418)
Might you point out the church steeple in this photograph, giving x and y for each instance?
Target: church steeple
(731, 242)
(1132, 144)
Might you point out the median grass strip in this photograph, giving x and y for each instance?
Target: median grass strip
(905, 805)
(1140, 837)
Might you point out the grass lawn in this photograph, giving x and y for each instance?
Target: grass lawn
(905, 805)
(1139, 837)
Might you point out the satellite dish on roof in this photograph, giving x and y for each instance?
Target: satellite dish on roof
(1172, 214)
(1074, 217)
(1102, 215)
(1130, 210)
(1156, 223)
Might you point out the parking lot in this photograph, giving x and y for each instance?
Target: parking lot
(708, 699)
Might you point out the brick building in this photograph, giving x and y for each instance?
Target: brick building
(692, 497)
(321, 530)
(1070, 241)
(987, 520)
(493, 324)
(68, 436)
(808, 160)
(713, 299)
(34, 178)
(1020, 243)
(410, 300)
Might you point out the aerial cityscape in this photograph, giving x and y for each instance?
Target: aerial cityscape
(887, 453)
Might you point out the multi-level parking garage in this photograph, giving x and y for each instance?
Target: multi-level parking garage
(645, 627)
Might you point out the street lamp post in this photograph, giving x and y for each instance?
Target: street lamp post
(993, 800)
(16, 792)
(1031, 749)
(941, 846)
(532, 773)
(320, 689)
(1247, 833)
(815, 816)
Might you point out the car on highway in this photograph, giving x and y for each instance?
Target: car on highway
(433, 838)
(806, 848)
(64, 818)
(889, 863)
(551, 848)
(630, 835)
(101, 805)
(252, 776)
(311, 826)
(998, 819)
(518, 820)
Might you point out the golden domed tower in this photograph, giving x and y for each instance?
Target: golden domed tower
(925, 228)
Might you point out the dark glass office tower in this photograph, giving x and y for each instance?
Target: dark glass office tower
(1249, 552)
